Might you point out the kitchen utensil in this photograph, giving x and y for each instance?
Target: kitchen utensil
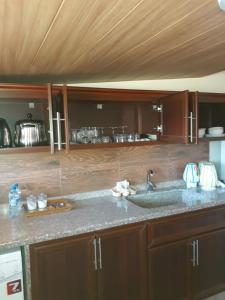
(137, 137)
(85, 135)
(74, 135)
(130, 137)
(5, 135)
(119, 138)
(30, 132)
(208, 175)
(191, 175)
(105, 139)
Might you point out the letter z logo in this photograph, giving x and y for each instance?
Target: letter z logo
(14, 287)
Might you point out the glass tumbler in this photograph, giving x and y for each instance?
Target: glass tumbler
(31, 202)
(42, 201)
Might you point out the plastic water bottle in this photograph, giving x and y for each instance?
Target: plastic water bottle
(14, 200)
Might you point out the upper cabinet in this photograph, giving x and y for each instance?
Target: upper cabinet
(28, 118)
(211, 112)
(24, 117)
(206, 110)
(112, 117)
(52, 118)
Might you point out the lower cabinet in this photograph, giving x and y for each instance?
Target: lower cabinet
(108, 265)
(189, 269)
(168, 275)
(208, 274)
(63, 269)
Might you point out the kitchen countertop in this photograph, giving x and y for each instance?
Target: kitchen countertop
(95, 211)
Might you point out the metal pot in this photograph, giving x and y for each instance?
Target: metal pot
(30, 132)
(5, 135)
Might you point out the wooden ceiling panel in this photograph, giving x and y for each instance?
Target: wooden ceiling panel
(80, 26)
(24, 25)
(137, 33)
(102, 40)
(131, 31)
(191, 51)
(189, 28)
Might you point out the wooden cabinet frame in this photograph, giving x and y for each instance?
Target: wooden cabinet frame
(109, 264)
(172, 122)
(178, 118)
(192, 246)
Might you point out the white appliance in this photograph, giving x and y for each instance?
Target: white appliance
(11, 275)
(217, 156)
(190, 175)
(208, 176)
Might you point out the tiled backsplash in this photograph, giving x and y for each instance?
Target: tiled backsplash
(88, 170)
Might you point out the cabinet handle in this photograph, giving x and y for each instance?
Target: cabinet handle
(59, 131)
(191, 127)
(100, 253)
(95, 254)
(193, 253)
(197, 253)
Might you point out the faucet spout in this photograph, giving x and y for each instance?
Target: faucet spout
(150, 184)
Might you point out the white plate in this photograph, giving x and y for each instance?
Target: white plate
(215, 135)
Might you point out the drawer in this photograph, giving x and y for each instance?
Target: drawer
(182, 226)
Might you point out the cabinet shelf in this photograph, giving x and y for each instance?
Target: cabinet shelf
(24, 149)
(113, 145)
(212, 139)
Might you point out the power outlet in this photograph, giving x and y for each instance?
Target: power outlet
(31, 105)
(99, 106)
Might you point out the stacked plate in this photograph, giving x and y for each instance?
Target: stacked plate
(215, 132)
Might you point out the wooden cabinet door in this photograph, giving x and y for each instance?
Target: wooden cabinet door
(123, 264)
(208, 276)
(64, 269)
(168, 272)
(174, 118)
(193, 117)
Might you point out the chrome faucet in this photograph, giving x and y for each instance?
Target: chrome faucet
(150, 184)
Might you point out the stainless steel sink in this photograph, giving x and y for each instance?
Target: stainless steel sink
(156, 199)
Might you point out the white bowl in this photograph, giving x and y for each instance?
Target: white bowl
(215, 130)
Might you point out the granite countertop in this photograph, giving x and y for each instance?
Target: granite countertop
(95, 211)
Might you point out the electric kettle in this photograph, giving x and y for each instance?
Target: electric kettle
(5, 135)
(191, 175)
(208, 175)
(29, 132)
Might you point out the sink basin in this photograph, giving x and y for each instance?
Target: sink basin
(156, 199)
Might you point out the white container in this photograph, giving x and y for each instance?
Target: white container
(201, 132)
(216, 130)
(11, 275)
(208, 176)
(191, 175)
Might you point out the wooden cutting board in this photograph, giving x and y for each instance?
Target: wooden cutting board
(53, 207)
